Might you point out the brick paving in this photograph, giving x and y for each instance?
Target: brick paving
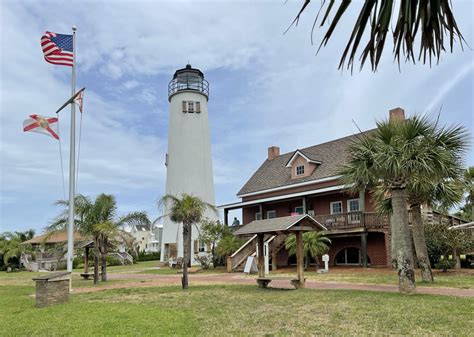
(151, 280)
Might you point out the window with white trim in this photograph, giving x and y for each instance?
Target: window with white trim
(271, 214)
(190, 107)
(336, 207)
(258, 216)
(300, 170)
(353, 205)
(299, 210)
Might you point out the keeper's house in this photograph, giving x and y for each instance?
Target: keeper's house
(306, 181)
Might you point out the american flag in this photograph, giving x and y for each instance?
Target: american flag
(58, 49)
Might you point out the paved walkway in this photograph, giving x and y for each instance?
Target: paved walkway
(150, 280)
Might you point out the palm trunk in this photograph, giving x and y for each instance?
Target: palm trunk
(103, 267)
(190, 246)
(393, 251)
(103, 255)
(420, 245)
(402, 242)
(96, 261)
(317, 262)
(186, 234)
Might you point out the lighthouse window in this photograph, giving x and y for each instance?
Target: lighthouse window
(198, 107)
(191, 107)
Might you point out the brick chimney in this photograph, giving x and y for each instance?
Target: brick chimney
(273, 152)
(397, 114)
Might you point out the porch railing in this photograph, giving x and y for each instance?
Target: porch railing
(353, 220)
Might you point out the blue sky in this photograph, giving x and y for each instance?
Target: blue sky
(266, 89)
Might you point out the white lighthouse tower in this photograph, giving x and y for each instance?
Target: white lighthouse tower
(189, 160)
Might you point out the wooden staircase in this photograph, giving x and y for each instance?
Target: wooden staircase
(236, 261)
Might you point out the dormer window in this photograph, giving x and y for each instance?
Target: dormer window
(300, 170)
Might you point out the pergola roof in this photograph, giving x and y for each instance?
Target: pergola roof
(51, 238)
(292, 223)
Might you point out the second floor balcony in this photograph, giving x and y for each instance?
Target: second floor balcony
(366, 220)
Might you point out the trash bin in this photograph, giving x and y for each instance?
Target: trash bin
(52, 288)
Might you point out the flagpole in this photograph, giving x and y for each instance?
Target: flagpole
(72, 159)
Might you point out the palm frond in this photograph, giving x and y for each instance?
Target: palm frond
(430, 20)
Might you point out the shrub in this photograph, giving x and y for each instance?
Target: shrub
(76, 262)
(445, 264)
(113, 261)
(204, 260)
(142, 256)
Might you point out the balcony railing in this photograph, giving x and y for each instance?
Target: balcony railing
(194, 83)
(353, 220)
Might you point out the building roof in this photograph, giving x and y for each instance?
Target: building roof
(281, 224)
(55, 237)
(274, 173)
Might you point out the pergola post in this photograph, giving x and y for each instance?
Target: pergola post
(261, 256)
(300, 258)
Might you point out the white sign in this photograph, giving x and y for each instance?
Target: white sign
(326, 262)
(250, 265)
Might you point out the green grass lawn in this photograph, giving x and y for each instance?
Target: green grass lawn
(463, 279)
(233, 310)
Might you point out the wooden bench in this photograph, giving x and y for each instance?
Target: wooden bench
(263, 282)
(86, 276)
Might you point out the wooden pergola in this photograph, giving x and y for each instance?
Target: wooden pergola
(297, 224)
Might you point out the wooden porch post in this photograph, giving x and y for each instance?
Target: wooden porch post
(274, 257)
(86, 261)
(261, 256)
(226, 217)
(363, 249)
(300, 258)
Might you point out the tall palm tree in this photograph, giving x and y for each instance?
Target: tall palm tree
(98, 219)
(424, 192)
(390, 158)
(187, 210)
(10, 244)
(314, 244)
(430, 20)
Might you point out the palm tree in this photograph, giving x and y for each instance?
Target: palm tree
(228, 245)
(99, 220)
(187, 210)
(431, 20)
(10, 244)
(390, 159)
(314, 244)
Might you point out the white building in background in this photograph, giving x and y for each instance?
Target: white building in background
(189, 160)
(146, 238)
(142, 235)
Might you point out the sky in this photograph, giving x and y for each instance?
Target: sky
(266, 89)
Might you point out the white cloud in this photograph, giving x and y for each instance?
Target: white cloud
(266, 89)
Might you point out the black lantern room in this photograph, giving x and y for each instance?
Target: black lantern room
(188, 79)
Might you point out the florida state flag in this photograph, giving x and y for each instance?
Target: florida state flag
(45, 125)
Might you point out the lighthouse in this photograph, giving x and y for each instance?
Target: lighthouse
(188, 160)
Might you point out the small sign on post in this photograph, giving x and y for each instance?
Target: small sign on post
(250, 265)
(326, 262)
